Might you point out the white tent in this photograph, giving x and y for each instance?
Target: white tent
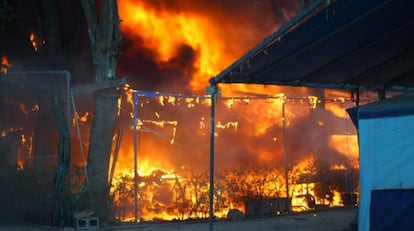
(386, 140)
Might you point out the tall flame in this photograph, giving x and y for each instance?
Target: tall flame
(187, 43)
(213, 41)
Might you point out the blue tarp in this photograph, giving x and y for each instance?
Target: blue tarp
(392, 210)
(397, 106)
(386, 164)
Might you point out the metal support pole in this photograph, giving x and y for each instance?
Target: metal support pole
(68, 97)
(285, 153)
(212, 90)
(357, 98)
(136, 97)
(88, 185)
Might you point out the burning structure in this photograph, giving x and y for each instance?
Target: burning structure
(172, 168)
(176, 47)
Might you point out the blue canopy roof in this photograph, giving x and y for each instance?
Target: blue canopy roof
(402, 105)
(342, 44)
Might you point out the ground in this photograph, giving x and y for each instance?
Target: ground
(322, 220)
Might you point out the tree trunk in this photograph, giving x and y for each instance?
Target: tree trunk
(104, 34)
(100, 150)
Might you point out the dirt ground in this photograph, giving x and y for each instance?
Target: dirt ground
(323, 220)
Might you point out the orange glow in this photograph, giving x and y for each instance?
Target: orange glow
(5, 132)
(20, 165)
(84, 118)
(232, 124)
(340, 101)
(304, 192)
(338, 167)
(313, 101)
(36, 42)
(300, 196)
(337, 109)
(168, 190)
(347, 145)
(156, 158)
(166, 31)
(23, 107)
(24, 148)
(4, 64)
(172, 171)
(337, 200)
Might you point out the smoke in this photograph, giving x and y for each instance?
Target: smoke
(139, 64)
(195, 31)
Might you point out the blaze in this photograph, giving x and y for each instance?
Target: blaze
(212, 37)
(339, 101)
(172, 183)
(168, 190)
(347, 145)
(164, 32)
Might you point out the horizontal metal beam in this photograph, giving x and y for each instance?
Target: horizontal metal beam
(98, 86)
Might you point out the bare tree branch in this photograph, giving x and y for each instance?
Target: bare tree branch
(89, 7)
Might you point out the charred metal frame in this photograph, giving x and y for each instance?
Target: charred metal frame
(212, 90)
(66, 74)
(62, 215)
(212, 93)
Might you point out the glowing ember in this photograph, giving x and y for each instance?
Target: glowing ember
(338, 167)
(21, 146)
(82, 118)
(23, 107)
(4, 65)
(35, 40)
(228, 125)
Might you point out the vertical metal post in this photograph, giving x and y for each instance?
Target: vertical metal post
(212, 90)
(285, 152)
(357, 98)
(136, 98)
(68, 98)
(350, 187)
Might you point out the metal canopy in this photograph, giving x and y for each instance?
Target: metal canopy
(342, 44)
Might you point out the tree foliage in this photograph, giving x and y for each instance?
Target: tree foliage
(6, 14)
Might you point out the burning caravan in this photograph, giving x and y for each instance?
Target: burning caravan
(385, 130)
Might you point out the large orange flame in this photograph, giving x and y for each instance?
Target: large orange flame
(168, 189)
(216, 40)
